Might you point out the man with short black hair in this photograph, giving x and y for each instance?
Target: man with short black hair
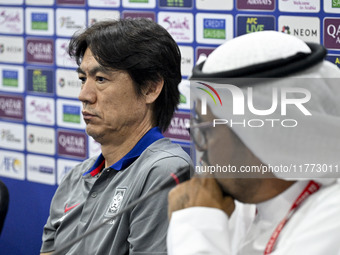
(130, 71)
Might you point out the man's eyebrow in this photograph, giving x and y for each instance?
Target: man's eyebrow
(79, 70)
(95, 70)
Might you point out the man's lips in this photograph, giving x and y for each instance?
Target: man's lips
(88, 115)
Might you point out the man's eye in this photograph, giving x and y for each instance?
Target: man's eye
(82, 79)
(100, 79)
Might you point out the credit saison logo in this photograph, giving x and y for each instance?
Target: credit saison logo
(214, 28)
(335, 3)
(10, 78)
(39, 21)
(71, 113)
(242, 104)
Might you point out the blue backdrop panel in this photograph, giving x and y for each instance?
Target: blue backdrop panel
(41, 129)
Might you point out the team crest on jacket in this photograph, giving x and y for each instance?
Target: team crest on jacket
(115, 203)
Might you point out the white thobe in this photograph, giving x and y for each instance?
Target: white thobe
(314, 228)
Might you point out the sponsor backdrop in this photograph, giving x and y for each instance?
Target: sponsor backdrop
(41, 127)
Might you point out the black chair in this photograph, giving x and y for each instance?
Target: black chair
(4, 200)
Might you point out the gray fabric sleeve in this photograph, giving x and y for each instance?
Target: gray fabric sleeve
(50, 227)
(56, 212)
(48, 237)
(149, 220)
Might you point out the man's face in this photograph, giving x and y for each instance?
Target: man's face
(224, 148)
(220, 148)
(111, 108)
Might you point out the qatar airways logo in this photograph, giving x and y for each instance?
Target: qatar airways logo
(39, 48)
(72, 144)
(178, 128)
(243, 104)
(332, 33)
(12, 107)
(40, 51)
(256, 4)
(10, 104)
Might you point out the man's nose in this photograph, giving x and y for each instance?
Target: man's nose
(87, 93)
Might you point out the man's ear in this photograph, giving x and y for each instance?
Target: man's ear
(152, 91)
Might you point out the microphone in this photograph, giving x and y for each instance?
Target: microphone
(173, 178)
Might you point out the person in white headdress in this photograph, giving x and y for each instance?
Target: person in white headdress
(288, 129)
